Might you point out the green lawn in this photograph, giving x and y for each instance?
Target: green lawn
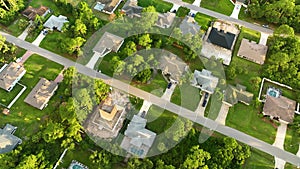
(49, 3)
(25, 117)
(7, 97)
(246, 119)
(291, 94)
(203, 20)
(32, 35)
(156, 86)
(105, 66)
(52, 42)
(259, 160)
(182, 12)
(159, 120)
(188, 1)
(160, 5)
(190, 99)
(222, 6)
(292, 141)
(14, 28)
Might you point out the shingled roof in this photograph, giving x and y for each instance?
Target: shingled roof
(31, 12)
(132, 9)
(189, 25)
(8, 141)
(10, 74)
(108, 42)
(233, 95)
(280, 107)
(221, 38)
(205, 81)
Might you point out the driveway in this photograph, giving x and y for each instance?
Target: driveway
(93, 60)
(168, 93)
(145, 107)
(263, 38)
(279, 142)
(175, 7)
(222, 114)
(39, 39)
(181, 111)
(25, 32)
(197, 2)
(200, 109)
(236, 11)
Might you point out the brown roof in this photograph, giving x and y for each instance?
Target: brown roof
(41, 93)
(280, 107)
(9, 74)
(31, 12)
(253, 51)
(108, 112)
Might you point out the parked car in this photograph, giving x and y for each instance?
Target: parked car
(265, 26)
(143, 114)
(206, 95)
(169, 85)
(204, 103)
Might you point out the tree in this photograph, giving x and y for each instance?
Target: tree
(148, 19)
(255, 81)
(79, 28)
(144, 75)
(134, 163)
(52, 132)
(102, 159)
(83, 104)
(196, 159)
(161, 165)
(231, 71)
(72, 45)
(284, 30)
(101, 90)
(145, 41)
(130, 49)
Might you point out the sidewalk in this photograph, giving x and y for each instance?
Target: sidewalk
(25, 56)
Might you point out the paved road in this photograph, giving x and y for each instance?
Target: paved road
(211, 124)
(221, 16)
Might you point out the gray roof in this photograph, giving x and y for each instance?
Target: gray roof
(41, 93)
(9, 74)
(233, 95)
(169, 63)
(55, 22)
(108, 42)
(165, 20)
(138, 134)
(132, 9)
(7, 140)
(205, 81)
(189, 25)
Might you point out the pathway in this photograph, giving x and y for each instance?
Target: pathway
(168, 93)
(236, 11)
(25, 32)
(60, 76)
(279, 142)
(93, 60)
(298, 153)
(39, 39)
(263, 38)
(222, 114)
(25, 56)
(181, 111)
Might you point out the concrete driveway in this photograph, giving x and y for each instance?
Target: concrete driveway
(145, 107)
(222, 114)
(168, 93)
(236, 11)
(39, 39)
(200, 109)
(279, 142)
(25, 32)
(197, 2)
(263, 38)
(93, 60)
(175, 7)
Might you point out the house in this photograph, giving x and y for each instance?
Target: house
(279, 107)
(107, 6)
(138, 140)
(219, 41)
(108, 42)
(233, 95)
(10, 74)
(205, 81)
(55, 22)
(172, 67)
(131, 9)
(189, 25)
(107, 120)
(252, 51)
(8, 141)
(41, 93)
(31, 12)
(165, 20)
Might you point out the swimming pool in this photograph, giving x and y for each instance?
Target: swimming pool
(76, 166)
(273, 92)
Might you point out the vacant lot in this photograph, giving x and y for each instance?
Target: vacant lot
(186, 96)
(259, 160)
(7, 97)
(160, 5)
(203, 20)
(222, 6)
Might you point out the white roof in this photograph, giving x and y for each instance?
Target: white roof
(205, 80)
(56, 22)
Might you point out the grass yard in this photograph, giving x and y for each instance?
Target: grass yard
(159, 120)
(160, 5)
(259, 160)
(52, 43)
(291, 94)
(105, 66)
(246, 119)
(15, 29)
(182, 12)
(188, 1)
(50, 4)
(25, 117)
(32, 35)
(156, 86)
(222, 6)
(204, 20)
(290, 166)
(190, 99)
(7, 97)
(292, 141)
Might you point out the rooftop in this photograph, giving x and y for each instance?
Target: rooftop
(132, 9)
(280, 107)
(189, 25)
(253, 51)
(221, 38)
(9, 74)
(170, 64)
(165, 20)
(31, 12)
(108, 6)
(55, 22)
(233, 95)
(7, 140)
(41, 93)
(205, 81)
(108, 42)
